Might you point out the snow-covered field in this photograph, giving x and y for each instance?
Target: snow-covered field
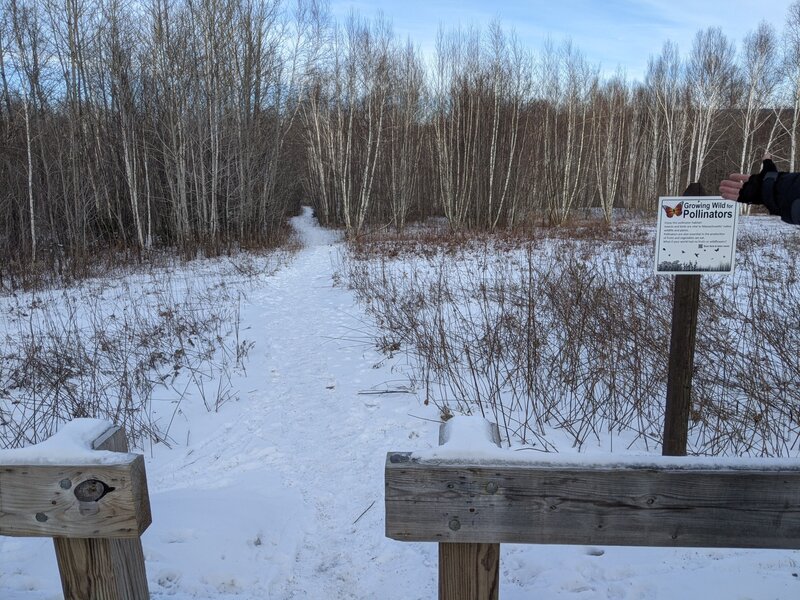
(279, 494)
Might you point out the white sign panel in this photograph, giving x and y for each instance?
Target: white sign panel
(695, 235)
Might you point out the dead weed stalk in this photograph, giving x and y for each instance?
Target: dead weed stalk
(573, 334)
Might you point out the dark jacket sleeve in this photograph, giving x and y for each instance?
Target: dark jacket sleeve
(778, 192)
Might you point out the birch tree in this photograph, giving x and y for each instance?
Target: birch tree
(29, 40)
(404, 132)
(357, 120)
(5, 27)
(456, 121)
(610, 141)
(710, 74)
(568, 83)
(509, 69)
(760, 75)
(666, 83)
(791, 68)
(121, 52)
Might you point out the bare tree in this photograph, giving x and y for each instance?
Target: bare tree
(405, 132)
(710, 75)
(667, 84)
(361, 88)
(28, 35)
(791, 67)
(510, 77)
(456, 121)
(5, 36)
(760, 75)
(568, 83)
(120, 49)
(611, 141)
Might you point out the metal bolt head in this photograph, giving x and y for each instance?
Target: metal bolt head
(454, 524)
(65, 484)
(41, 517)
(91, 490)
(491, 487)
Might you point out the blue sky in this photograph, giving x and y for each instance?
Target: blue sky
(613, 33)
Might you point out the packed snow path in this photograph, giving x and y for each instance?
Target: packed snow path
(279, 495)
(299, 459)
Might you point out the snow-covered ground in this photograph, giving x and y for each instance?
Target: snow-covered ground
(279, 495)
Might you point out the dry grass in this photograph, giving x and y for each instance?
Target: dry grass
(55, 269)
(568, 329)
(107, 347)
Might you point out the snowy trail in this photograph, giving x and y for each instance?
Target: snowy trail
(279, 495)
(304, 442)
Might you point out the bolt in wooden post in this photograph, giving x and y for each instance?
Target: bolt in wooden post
(468, 571)
(686, 298)
(103, 568)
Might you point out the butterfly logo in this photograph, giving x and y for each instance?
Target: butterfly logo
(673, 212)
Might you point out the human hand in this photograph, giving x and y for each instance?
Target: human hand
(730, 188)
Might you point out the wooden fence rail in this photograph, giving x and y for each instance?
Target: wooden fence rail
(95, 514)
(472, 508)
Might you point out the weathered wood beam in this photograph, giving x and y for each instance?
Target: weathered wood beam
(88, 501)
(540, 503)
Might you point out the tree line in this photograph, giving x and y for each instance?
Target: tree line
(199, 125)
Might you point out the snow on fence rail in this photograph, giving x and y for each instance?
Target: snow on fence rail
(83, 489)
(471, 507)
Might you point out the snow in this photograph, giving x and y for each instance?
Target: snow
(279, 494)
(468, 440)
(72, 445)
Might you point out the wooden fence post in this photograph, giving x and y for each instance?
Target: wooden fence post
(468, 571)
(686, 298)
(103, 568)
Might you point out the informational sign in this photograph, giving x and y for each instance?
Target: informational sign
(695, 235)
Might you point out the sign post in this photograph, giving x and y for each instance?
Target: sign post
(695, 235)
